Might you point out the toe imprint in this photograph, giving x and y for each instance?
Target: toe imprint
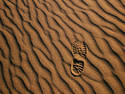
(79, 48)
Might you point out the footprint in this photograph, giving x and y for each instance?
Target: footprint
(79, 51)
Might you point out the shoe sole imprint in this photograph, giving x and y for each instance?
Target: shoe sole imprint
(79, 51)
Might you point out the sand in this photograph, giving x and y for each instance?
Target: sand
(36, 39)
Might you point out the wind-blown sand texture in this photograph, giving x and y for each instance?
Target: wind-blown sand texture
(36, 53)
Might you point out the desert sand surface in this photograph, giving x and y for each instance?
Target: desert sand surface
(36, 39)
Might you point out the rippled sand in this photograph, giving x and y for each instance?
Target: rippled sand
(36, 53)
